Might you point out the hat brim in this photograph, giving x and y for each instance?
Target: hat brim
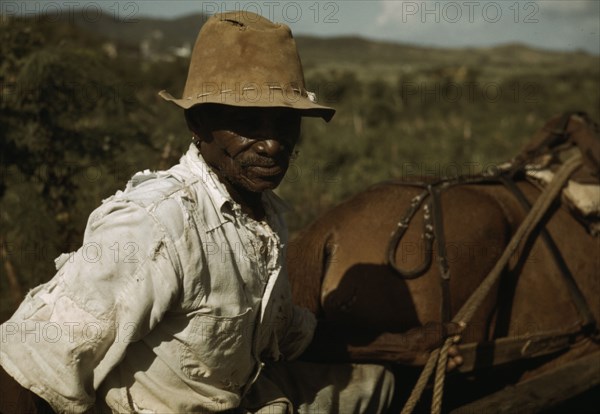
(300, 103)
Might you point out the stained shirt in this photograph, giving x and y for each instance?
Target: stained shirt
(172, 304)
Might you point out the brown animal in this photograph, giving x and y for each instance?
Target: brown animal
(339, 268)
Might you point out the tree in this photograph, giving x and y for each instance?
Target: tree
(63, 109)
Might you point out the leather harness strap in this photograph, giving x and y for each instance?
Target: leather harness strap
(442, 259)
(588, 322)
(401, 228)
(438, 358)
(503, 350)
(433, 229)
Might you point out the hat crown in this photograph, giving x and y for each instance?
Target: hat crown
(239, 51)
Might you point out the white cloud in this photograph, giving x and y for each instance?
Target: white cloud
(563, 8)
(390, 11)
(554, 24)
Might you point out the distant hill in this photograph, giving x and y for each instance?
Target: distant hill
(160, 39)
(175, 32)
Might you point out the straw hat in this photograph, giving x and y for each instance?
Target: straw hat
(242, 59)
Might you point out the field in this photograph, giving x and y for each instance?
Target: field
(80, 115)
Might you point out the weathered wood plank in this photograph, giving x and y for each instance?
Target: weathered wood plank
(542, 392)
(504, 350)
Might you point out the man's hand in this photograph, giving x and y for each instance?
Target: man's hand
(455, 359)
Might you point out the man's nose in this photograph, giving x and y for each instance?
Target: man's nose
(269, 147)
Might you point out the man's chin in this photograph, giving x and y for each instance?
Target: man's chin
(266, 185)
(259, 185)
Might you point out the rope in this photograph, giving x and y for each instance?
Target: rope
(474, 301)
(415, 394)
(440, 376)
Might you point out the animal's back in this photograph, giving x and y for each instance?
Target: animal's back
(349, 256)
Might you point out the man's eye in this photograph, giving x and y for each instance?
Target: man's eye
(248, 125)
(289, 140)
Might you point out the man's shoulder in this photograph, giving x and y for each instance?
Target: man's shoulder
(148, 188)
(167, 197)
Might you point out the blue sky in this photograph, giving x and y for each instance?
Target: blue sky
(549, 24)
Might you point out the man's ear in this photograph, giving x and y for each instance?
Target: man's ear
(194, 120)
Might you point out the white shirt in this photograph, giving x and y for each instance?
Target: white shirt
(171, 304)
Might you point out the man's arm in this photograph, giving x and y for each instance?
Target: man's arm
(335, 343)
(68, 334)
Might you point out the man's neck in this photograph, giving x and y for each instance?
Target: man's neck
(250, 202)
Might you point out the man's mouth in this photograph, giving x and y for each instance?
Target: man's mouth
(263, 167)
(265, 171)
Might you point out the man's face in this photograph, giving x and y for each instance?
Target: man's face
(250, 148)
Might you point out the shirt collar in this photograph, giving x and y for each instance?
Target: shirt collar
(194, 161)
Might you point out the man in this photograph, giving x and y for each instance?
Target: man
(178, 300)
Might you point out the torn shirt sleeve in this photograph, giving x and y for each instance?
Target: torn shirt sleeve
(69, 333)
